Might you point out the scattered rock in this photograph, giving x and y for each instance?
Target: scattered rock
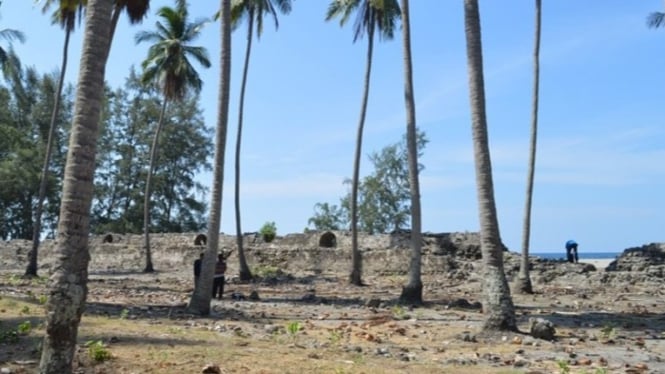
(467, 337)
(254, 296)
(373, 303)
(542, 329)
(464, 304)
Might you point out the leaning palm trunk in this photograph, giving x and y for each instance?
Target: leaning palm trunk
(148, 185)
(245, 273)
(200, 301)
(67, 288)
(524, 280)
(498, 304)
(356, 271)
(413, 292)
(31, 270)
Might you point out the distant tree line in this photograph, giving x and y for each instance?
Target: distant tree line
(129, 116)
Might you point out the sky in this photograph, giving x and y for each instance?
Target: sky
(599, 170)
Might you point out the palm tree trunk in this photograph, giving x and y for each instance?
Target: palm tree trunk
(117, 9)
(31, 270)
(524, 280)
(245, 273)
(68, 288)
(498, 304)
(200, 301)
(356, 271)
(148, 185)
(412, 293)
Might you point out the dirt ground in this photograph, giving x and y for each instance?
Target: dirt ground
(303, 323)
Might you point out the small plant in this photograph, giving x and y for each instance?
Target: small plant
(124, 313)
(267, 271)
(25, 310)
(9, 336)
(335, 336)
(98, 351)
(24, 328)
(293, 328)
(399, 312)
(42, 299)
(564, 368)
(608, 331)
(268, 231)
(15, 280)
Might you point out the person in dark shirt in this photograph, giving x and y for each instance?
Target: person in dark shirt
(571, 251)
(197, 270)
(218, 282)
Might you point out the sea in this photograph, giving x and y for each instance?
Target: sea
(581, 254)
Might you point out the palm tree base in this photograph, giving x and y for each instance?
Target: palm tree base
(149, 269)
(355, 279)
(30, 272)
(524, 286)
(412, 295)
(245, 275)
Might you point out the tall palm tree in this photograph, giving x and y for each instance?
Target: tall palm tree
(372, 16)
(498, 304)
(168, 65)
(200, 301)
(66, 16)
(68, 288)
(523, 279)
(253, 11)
(412, 293)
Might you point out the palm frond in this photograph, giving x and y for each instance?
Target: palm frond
(371, 16)
(136, 9)
(10, 35)
(656, 20)
(200, 54)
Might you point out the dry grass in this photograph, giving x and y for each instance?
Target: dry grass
(142, 323)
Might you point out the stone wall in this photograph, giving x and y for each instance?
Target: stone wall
(319, 252)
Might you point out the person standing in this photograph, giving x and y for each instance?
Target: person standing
(218, 282)
(197, 269)
(571, 251)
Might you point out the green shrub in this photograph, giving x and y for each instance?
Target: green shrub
(97, 351)
(268, 231)
(24, 328)
(267, 271)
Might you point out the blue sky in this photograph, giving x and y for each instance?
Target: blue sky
(599, 176)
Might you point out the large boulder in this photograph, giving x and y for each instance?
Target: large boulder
(644, 258)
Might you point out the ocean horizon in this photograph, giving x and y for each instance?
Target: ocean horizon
(581, 254)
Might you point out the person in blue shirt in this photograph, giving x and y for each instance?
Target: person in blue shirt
(571, 251)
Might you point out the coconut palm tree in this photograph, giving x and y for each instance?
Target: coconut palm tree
(523, 279)
(66, 15)
(372, 16)
(498, 304)
(68, 288)
(252, 11)
(200, 301)
(412, 293)
(168, 65)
